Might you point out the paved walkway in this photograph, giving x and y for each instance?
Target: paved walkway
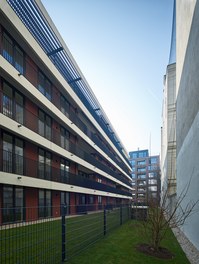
(189, 249)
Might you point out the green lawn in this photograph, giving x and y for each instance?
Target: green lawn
(41, 242)
(119, 248)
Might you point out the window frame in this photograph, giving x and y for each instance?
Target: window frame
(44, 85)
(14, 104)
(12, 59)
(14, 210)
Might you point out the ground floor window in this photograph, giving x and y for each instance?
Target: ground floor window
(13, 204)
(45, 203)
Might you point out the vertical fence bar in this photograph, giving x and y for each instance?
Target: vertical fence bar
(104, 222)
(63, 223)
(121, 215)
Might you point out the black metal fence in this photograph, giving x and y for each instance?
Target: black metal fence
(55, 240)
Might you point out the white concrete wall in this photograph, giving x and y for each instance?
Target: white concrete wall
(184, 13)
(187, 109)
(168, 148)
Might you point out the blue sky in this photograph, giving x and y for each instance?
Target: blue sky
(122, 48)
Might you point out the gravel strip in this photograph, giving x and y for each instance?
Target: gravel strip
(189, 249)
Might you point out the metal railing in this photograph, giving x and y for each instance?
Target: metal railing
(31, 121)
(33, 19)
(21, 165)
(56, 239)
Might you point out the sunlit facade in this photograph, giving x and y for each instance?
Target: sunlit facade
(145, 176)
(56, 144)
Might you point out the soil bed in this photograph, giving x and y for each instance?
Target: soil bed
(162, 253)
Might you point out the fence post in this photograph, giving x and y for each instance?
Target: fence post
(63, 222)
(120, 214)
(104, 222)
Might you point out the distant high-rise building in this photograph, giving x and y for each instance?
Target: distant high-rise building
(145, 176)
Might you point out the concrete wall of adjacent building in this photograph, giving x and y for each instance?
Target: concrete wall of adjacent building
(168, 137)
(187, 109)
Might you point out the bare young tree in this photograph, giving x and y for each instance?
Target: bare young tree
(161, 217)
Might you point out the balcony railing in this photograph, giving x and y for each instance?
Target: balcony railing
(70, 114)
(20, 165)
(31, 121)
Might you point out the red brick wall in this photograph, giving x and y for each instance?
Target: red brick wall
(56, 203)
(0, 36)
(1, 202)
(55, 168)
(55, 96)
(73, 168)
(31, 115)
(31, 71)
(72, 203)
(103, 200)
(31, 198)
(31, 152)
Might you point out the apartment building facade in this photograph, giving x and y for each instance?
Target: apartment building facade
(57, 145)
(145, 176)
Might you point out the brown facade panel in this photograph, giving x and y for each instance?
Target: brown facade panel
(31, 71)
(55, 96)
(31, 152)
(31, 203)
(31, 115)
(73, 203)
(56, 203)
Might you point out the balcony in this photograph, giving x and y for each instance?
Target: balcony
(20, 165)
(30, 14)
(32, 122)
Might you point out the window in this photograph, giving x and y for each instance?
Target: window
(44, 86)
(133, 155)
(151, 175)
(13, 204)
(133, 175)
(12, 53)
(141, 183)
(143, 154)
(45, 203)
(141, 169)
(91, 199)
(44, 125)
(65, 135)
(141, 189)
(152, 188)
(153, 160)
(12, 154)
(82, 199)
(141, 162)
(99, 180)
(44, 165)
(64, 170)
(152, 168)
(64, 106)
(141, 176)
(99, 199)
(141, 195)
(12, 103)
(152, 181)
